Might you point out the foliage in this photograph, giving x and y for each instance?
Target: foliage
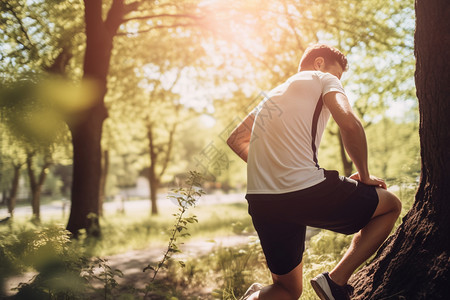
(65, 270)
(379, 49)
(145, 104)
(241, 266)
(185, 198)
(46, 250)
(34, 33)
(238, 266)
(224, 54)
(62, 268)
(106, 275)
(393, 150)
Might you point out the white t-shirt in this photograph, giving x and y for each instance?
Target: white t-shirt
(281, 158)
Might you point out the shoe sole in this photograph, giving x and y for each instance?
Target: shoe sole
(321, 287)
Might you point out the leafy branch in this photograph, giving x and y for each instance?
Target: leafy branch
(185, 198)
(106, 275)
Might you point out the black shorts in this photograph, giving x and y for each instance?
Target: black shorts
(338, 203)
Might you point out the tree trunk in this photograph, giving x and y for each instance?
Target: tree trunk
(37, 183)
(13, 192)
(154, 185)
(87, 131)
(103, 178)
(414, 263)
(33, 186)
(152, 177)
(36, 204)
(84, 210)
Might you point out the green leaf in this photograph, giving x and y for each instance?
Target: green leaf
(149, 267)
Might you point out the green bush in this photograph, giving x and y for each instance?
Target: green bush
(47, 251)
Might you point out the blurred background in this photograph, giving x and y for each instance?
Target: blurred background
(177, 78)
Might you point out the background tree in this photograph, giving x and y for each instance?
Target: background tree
(86, 134)
(12, 160)
(37, 180)
(147, 93)
(160, 152)
(34, 48)
(241, 48)
(34, 131)
(414, 263)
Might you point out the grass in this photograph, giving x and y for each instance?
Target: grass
(224, 273)
(23, 242)
(232, 269)
(323, 251)
(136, 229)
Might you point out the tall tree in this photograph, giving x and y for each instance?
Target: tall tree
(12, 197)
(35, 47)
(87, 132)
(150, 96)
(415, 262)
(37, 181)
(12, 159)
(161, 133)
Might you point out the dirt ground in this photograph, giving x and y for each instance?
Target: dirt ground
(131, 263)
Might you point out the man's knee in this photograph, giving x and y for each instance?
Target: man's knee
(296, 293)
(293, 292)
(291, 284)
(388, 203)
(396, 204)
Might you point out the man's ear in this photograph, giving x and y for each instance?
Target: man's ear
(319, 63)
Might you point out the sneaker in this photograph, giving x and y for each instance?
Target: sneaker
(327, 289)
(252, 289)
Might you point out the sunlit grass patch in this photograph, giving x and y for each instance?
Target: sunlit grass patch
(224, 273)
(137, 230)
(236, 268)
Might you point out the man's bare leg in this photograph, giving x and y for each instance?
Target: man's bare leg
(368, 239)
(284, 287)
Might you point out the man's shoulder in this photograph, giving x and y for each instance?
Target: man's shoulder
(326, 76)
(302, 76)
(306, 73)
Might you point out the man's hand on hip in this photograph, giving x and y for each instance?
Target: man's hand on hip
(371, 180)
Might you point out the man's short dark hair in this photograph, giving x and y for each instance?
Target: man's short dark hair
(329, 54)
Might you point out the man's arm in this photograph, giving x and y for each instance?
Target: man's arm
(239, 140)
(353, 136)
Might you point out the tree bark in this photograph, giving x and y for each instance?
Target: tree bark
(103, 178)
(13, 191)
(155, 152)
(37, 183)
(152, 177)
(414, 263)
(154, 185)
(87, 131)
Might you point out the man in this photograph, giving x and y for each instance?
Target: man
(287, 190)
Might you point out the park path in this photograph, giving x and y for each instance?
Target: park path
(132, 262)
